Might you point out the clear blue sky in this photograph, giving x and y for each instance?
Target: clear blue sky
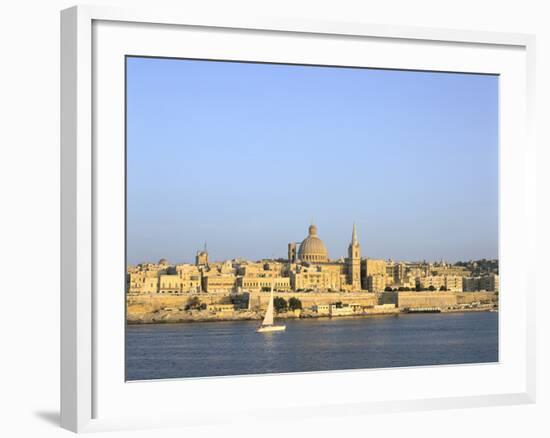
(243, 156)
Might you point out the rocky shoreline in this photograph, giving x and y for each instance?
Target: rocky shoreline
(178, 317)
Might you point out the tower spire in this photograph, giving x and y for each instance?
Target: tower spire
(354, 261)
(354, 235)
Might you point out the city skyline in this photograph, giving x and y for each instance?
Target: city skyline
(283, 256)
(243, 155)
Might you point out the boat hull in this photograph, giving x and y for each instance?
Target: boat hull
(271, 328)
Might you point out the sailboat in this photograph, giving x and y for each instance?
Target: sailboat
(267, 323)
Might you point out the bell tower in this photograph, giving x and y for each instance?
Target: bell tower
(292, 252)
(201, 259)
(354, 261)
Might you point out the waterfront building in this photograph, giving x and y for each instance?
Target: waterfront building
(321, 309)
(342, 310)
(220, 307)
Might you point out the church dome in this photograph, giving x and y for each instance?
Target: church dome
(312, 249)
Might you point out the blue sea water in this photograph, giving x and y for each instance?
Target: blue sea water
(159, 351)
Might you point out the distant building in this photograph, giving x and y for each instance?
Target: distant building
(201, 259)
(375, 283)
(321, 309)
(447, 282)
(257, 283)
(343, 310)
(169, 284)
(489, 283)
(220, 307)
(292, 255)
(226, 283)
(373, 267)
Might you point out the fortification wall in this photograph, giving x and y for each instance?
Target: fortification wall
(435, 299)
(141, 304)
(149, 303)
(471, 297)
(426, 299)
(259, 299)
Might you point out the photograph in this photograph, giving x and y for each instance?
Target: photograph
(300, 218)
(291, 218)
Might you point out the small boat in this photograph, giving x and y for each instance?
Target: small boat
(267, 323)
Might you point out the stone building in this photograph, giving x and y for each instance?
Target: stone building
(144, 278)
(143, 282)
(258, 284)
(489, 282)
(373, 274)
(447, 282)
(375, 283)
(201, 259)
(219, 283)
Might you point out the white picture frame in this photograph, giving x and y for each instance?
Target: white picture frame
(92, 392)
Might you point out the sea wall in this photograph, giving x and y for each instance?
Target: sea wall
(258, 300)
(171, 308)
(140, 304)
(472, 297)
(435, 299)
(425, 299)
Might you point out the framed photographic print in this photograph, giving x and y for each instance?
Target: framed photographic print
(291, 210)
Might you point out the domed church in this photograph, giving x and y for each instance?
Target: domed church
(312, 249)
(310, 267)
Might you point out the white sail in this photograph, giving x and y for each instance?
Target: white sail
(268, 319)
(267, 324)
